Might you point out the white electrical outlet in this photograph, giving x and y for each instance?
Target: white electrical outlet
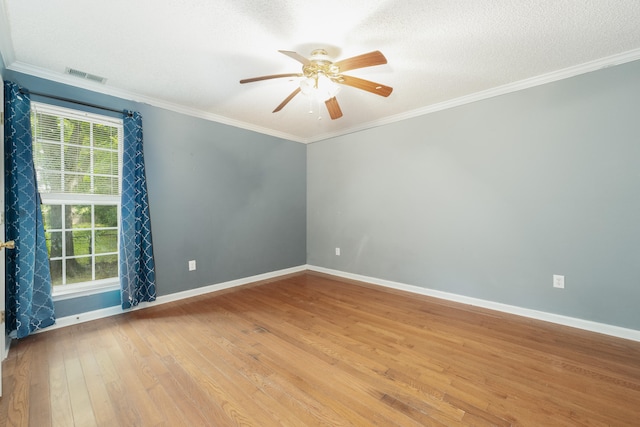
(192, 265)
(558, 281)
(337, 251)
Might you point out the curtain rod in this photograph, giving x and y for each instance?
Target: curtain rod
(73, 101)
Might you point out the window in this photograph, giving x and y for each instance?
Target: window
(78, 159)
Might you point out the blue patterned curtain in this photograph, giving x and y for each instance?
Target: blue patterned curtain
(137, 268)
(29, 305)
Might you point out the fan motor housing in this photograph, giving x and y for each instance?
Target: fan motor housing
(319, 63)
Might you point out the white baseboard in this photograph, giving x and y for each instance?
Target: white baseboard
(602, 328)
(112, 311)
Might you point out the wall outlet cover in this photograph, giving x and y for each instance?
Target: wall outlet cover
(558, 281)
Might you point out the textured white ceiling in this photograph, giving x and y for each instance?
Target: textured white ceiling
(189, 55)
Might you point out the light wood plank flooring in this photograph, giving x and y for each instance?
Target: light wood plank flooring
(310, 349)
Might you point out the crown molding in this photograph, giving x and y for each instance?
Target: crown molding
(565, 73)
(44, 73)
(610, 61)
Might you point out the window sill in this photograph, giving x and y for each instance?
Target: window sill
(85, 289)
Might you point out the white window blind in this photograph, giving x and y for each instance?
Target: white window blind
(76, 153)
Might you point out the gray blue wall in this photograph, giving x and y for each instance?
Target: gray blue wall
(232, 199)
(490, 199)
(487, 200)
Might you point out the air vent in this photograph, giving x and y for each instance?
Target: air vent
(84, 75)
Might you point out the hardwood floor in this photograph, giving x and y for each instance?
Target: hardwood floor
(311, 349)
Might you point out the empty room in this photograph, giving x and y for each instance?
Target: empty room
(290, 213)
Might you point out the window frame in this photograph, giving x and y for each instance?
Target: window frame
(74, 290)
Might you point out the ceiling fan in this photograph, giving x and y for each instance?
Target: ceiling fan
(322, 77)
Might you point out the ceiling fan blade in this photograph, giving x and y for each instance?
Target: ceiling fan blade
(334, 108)
(365, 60)
(272, 76)
(296, 56)
(286, 100)
(369, 86)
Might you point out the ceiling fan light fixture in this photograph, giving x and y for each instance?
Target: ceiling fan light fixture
(319, 87)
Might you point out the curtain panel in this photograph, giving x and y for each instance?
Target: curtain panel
(137, 266)
(29, 305)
